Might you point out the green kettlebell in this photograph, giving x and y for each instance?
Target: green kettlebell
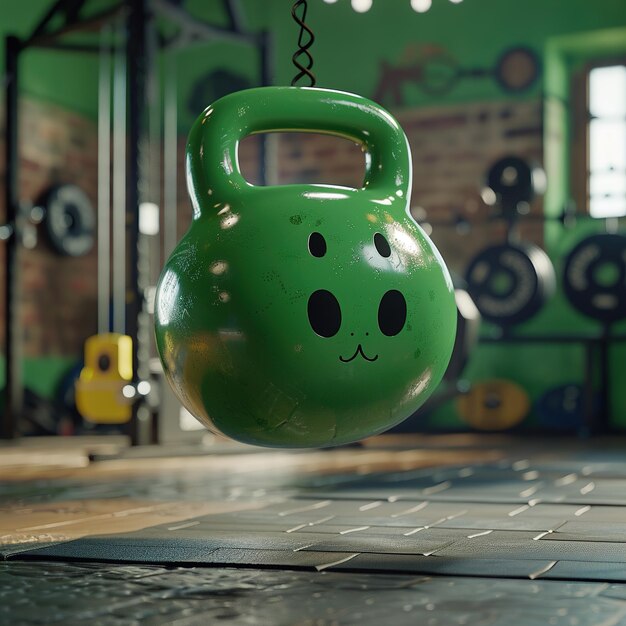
(302, 315)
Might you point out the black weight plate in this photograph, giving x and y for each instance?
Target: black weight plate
(510, 283)
(594, 277)
(70, 220)
(511, 179)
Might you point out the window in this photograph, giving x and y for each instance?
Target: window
(606, 141)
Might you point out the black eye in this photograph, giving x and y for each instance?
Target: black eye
(392, 313)
(317, 244)
(324, 313)
(382, 245)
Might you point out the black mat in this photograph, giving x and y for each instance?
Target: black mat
(468, 521)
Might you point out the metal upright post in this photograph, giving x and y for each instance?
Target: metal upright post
(104, 180)
(604, 421)
(136, 63)
(14, 392)
(590, 416)
(170, 156)
(267, 144)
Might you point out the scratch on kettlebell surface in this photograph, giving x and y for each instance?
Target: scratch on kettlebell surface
(279, 425)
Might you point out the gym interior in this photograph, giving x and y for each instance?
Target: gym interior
(313, 312)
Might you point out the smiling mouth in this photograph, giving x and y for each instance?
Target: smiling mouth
(359, 350)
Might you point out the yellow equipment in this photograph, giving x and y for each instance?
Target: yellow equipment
(108, 369)
(494, 405)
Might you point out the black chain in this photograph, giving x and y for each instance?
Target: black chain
(305, 41)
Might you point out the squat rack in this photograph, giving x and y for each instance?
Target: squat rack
(139, 18)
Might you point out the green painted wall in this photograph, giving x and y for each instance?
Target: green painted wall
(43, 374)
(348, 48)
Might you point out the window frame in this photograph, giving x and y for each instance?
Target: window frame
(580, 170)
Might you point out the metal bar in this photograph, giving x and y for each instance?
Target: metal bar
(153, 184)
(136, 64)
(149, 262)
(549, 338)
(104, 184)
(170, 157)
(193, 28)
(268, 144)
(265, 56)
(67, 47)
(589, 409)
(603, 422)
(52, 11)
(234, 13)
(93, 22)
(264, 145)
(119, 194)
(14, 392)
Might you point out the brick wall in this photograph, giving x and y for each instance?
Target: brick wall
(452, 151)
(58, 293)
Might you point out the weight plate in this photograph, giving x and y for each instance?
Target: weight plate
(494, 405)
(70, 220)
(594, 277)
(510, 283)
(466, 338)
(517, 69)
(513, 180)
(562, 408)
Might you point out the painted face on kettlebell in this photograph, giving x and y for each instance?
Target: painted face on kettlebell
(324, 310)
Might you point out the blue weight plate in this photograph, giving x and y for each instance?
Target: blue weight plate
(562, 407)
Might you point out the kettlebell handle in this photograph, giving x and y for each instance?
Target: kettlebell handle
(212, 163)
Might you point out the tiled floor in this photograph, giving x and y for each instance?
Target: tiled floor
(428, 530)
